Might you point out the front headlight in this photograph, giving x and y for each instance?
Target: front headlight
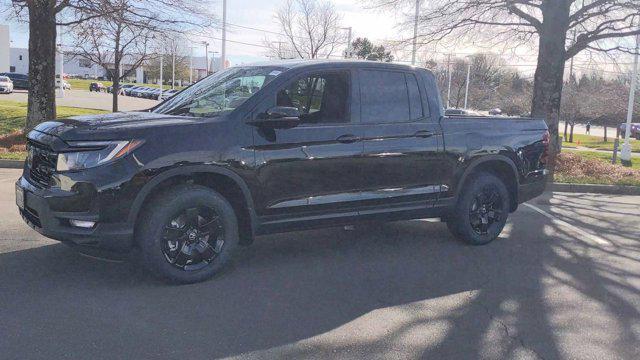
(94, 153)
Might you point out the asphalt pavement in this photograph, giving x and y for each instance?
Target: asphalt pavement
(562, 282)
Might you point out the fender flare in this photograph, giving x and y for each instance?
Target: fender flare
(482, 160)
(187, 170)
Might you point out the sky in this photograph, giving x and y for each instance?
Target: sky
(377, 26)
(259, 14)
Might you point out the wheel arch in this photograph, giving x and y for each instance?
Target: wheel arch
(226, 182)
(500, 166)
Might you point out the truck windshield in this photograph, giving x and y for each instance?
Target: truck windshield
(219, 93)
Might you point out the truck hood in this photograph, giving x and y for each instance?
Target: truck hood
(111, 125)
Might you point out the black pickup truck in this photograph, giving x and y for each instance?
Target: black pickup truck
(275, 147)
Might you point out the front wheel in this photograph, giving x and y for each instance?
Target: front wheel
(187, 234)
(481, 210)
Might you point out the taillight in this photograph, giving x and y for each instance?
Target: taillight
(546, 138)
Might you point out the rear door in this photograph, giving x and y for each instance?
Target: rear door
(311, 169)
(401, 142)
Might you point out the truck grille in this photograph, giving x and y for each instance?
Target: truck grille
(41, 162)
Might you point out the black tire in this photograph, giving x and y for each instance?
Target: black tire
(162, 210)
(474, 223)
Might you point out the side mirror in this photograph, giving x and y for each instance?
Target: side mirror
(279, 117)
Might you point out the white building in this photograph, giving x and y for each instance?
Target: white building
(5, 44)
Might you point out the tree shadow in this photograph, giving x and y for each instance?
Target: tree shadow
(404, 289)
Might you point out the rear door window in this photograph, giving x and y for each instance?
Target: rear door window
(384, 97)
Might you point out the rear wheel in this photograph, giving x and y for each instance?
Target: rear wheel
(188, 234)
(481, 210)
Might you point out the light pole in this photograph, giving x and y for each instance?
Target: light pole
(223, 54)
(625, 154)
(415, 33)
(466, 92)
(61, 90)
(161, 70)
(449, 82)
(191, 65)
(206, 55)
(173, 65)
(213, 60)
(349, 29)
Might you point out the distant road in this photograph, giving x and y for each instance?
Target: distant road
(90, 100)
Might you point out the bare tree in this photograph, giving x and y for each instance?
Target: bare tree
(43, 17)
(126, 31)
(310, 27)
(597, 24)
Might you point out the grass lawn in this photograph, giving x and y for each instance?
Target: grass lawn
(596, 142)
(18, 155)
(13, 114)
(83, 84)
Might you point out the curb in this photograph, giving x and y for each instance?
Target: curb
(595, 188)
(11, 164)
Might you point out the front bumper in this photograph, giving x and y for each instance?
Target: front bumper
(39, 213)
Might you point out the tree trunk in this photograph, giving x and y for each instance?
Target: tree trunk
(605, 132)
(116, 71)
(547, 87)
(115, 87)
(571, 132)
(566, 125)
(42, 64)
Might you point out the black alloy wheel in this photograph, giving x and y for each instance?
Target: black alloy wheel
(486, 210)
(193, 239)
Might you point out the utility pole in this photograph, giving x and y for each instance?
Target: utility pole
(347, 54)
(449, 80)
(625, 154)
(223, 53)
(415, 33)
(466, 92)
(161, 80)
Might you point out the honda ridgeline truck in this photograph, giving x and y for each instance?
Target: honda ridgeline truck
(271, 148)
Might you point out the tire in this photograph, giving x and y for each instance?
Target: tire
(469, 220)
(156, 224)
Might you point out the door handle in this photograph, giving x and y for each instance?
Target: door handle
(347, 139)
(423, 134)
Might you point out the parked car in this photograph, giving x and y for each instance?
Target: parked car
(635, 130)
(127, 91)
(139, 91)
(6, 85)
(461, 112)
(152, 94)
(65, 84)
(96, 86)
(168, 94)
(20, 81)
(271, 148)
(122, 88)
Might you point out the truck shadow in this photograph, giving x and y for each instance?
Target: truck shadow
(326, 292)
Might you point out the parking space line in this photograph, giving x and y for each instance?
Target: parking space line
(596, 239)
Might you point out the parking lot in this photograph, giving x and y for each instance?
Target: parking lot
(90, 100)
(563, 281)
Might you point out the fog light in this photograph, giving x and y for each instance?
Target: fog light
(82, 223)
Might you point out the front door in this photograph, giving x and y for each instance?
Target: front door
(312, 168)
